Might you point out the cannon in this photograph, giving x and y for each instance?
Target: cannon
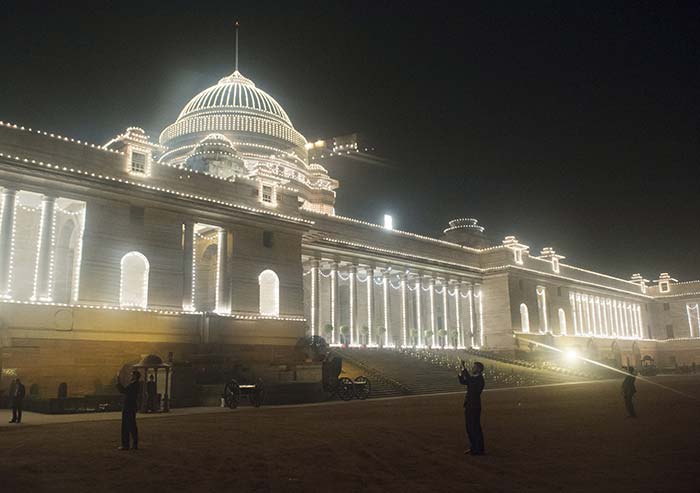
(233, 391)
(347, 389)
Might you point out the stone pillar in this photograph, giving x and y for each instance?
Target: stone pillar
(431, 294)
(404, 309)
(335, 319)
(478, 316)
(352, 279)
(419, 321)
(223, 294)
(7, 246)
(472, 316)
(43, 274)
(188, 278)
(385, 305)
(315, 302)
(458, 315)
(446, 325)
(370, 305)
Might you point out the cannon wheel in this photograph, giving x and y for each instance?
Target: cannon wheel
(232, 394)
(346, 388)
(362, 387)
(257, 397)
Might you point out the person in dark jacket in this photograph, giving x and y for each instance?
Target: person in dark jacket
(129, 429)
(17, 393)
(472, 406)
(628, 391)
(152, 394)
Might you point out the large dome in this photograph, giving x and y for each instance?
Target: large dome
(250, 118)
(234, 129)
(237, 93)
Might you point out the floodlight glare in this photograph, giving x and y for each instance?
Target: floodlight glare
(571, 355)
(388, 222)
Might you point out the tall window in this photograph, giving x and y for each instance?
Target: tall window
(269, 293)
(562, 322)
(524, 318)
(133, 289)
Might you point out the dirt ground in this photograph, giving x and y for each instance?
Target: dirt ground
(564, 438)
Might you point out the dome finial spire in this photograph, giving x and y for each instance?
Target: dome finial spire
(236, 25)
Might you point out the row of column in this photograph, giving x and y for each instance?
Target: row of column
(43, 271)
(605, 317)
(469, 330)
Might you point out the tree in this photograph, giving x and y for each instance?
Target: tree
(381, 331)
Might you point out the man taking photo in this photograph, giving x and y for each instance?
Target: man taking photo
(472, 406)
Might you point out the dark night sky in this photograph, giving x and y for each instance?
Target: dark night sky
(569, 124)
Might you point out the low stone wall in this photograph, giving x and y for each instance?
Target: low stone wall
(47, 345)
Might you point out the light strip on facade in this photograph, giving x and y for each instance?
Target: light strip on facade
(79, 257)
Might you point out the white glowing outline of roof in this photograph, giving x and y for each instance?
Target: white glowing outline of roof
(235, 92)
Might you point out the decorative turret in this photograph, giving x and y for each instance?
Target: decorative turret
(639, 279)
(466, 232)
(548, 253)
(665, 281)
(216, 155)
(512, 243)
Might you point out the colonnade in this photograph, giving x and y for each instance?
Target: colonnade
(357, 303)
(605, 317)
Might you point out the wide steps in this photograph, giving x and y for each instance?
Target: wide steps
(435, 371)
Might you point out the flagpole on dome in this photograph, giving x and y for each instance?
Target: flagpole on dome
(236, 25)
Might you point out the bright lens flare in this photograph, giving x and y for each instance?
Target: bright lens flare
(695, 398)
(571, 355)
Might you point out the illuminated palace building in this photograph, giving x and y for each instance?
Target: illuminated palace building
(222, 237)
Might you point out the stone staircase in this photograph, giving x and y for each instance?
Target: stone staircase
(424, 371)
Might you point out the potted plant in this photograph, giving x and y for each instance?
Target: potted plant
(454, 337)
(344, 335)
(413, 337)
(428, 338)
(442, 334)
(328, 332)
(381, 331)
(364, 331)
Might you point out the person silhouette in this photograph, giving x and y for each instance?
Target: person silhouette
(152, 393)
(628, 391)
(472, 406)
(129, 429)
(17, 393)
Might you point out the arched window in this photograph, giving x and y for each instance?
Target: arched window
(524, 318)
(562, 322)
(269, 293)
(133, 290)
